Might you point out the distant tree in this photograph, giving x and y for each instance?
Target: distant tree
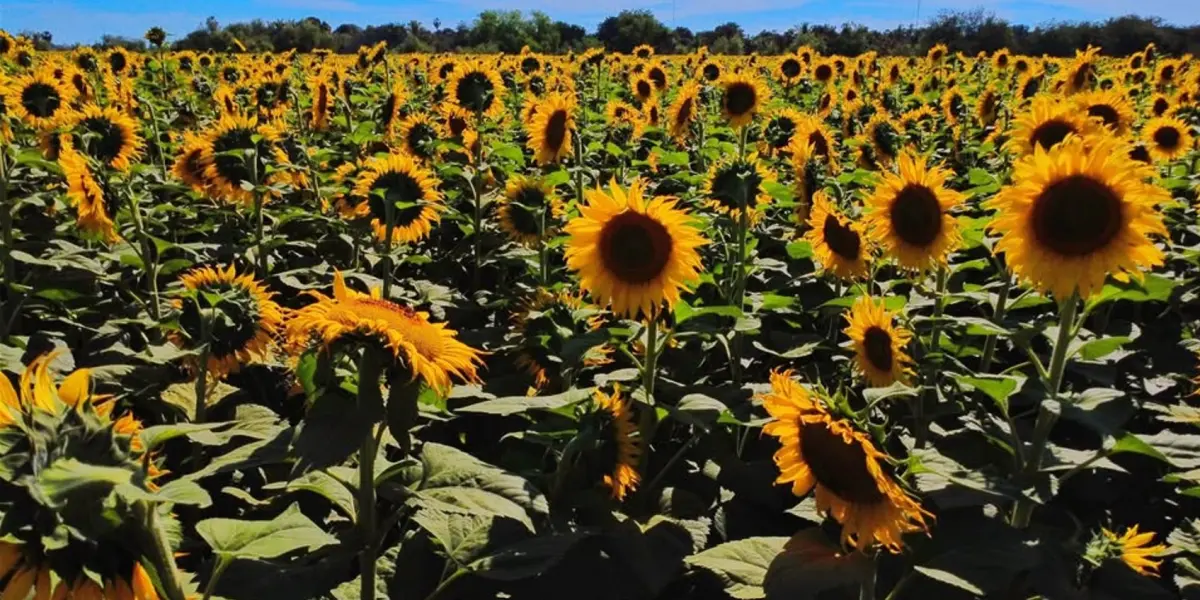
(631, 28)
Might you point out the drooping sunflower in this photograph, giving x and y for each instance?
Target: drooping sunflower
(529, 209)
(742, 95)
(619, 447)
(419, 134)
(94, 213)
(550, 129)
(249, 322)
(842, 464)
(1030, 84)
(1167, 138)
(430, 350)
(1110, 107)
(322, 102)
(38, 99)
(734, 184)
(812, 130)
(189, 167)
(837, 241)
(1047, 122)
(1134, 549)
(389, 112)
(909, 213)
(878, 343)
(412, 191)
(683, 111)
(1074, 215)
(224, 156)
(106, 134)
(477, 88)
(630, 253)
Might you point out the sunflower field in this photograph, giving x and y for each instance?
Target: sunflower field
(598, 325)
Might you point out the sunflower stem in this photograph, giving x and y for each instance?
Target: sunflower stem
(258, 234)
(6, 234)
(647, 419)
(389, 209)
(543, 268)
(1047, 412)
(162, 159)
(477, 189)
(989, 344)
(159, 551)
(149, 253)
(368, 383)
(866, 587)
(215, 576)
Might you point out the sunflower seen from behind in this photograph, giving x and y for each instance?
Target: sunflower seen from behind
(1073, 216)
(431, 351)
(908, 214)
(683, 111)
(831, 457)
(735, 185)
(477, 88)
(742, 96)
(631, 253)
(878, 342)
(617, 450)
(398, 184)
(837, 241)
(231, 312)
(550, 128)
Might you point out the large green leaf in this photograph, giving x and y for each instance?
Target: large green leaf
(810, 564)
(741, 565)
(288, 532)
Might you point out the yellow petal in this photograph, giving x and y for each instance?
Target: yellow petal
(76, 387)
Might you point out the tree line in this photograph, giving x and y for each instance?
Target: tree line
(510, 31)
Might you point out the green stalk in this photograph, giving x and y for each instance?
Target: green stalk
(159, 551)
(939, 308)
(6, 222)
(477, 189)
(1023, 512)
(648, 418)
(543, 267)
(389, 208)
(866, 587)
(920, 426)
(369, 371)
(149, 254)
(989, 344)
(223, 563)
(258, 234)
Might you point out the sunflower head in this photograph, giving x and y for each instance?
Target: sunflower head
(742, 95)
(1111, 108)
(1167, 138)
(781, 127)
(39, 99)
(419, 134)
(909, 214)
(616, 450)
(545, 328)
(228, 156)
(477, 88)
(106, 134)
(884, 137)
(832, 457)
(1076, 214)
(429, 351)
(878, 342)
(631, 253)
(529, 209)
(95, 210)
(1047, 122)
(189, 166)
(230, 313)
(1133, 547)
(684, 110)
(737, 185)
(550, 128)
(398, 185)
(837, 241)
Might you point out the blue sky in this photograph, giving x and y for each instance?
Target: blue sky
(76, 21)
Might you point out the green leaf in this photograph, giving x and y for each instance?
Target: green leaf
(330, 487)
(1129, 442)
(1179, 449)
(65, 478)
(1154, 288)
(184, 491)
(799, 249)
(288, 532)
(511, 405)
(810, 564)
(526, 558)
(465, 538)
(997, 387)
(742, 565)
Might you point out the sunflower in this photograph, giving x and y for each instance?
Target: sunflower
(683, 111)
(389, 113)
(38, 99)
(477, 88)
(117, 60)
(842, 464)
(742, 95)
(908, 213)
(780, 129)
(1079, 75)
(878, 343)
(412, 191)
(633, 254)
(1167, 138)
(823, 72)
(523, 209)
(619, 448)
(1074, 215)
(1160, 105)
(811, 130)
(953, 104)
(248, 323)
(431, 351)
(789, 69)
(190, 167)
(711, 71)
(1110, 107)
(657, 75)
(736, 184)
(1047, 122)
(1030, 83)
(641, 87)
(1134, 549)
(419, 135)
(322, 102)
(837, 242)
(224, 155)
(885, 137)
(105, 134)
(94, 214)
(550, 129)
(937, 53)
